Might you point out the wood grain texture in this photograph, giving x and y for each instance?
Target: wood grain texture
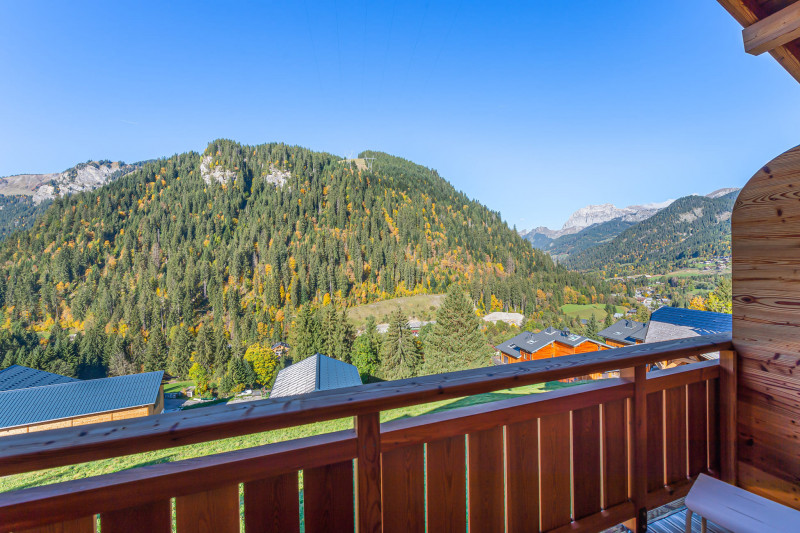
(697, 409)
(35, 451)
(80, 525)
(675, 434)
(485, 480)
(273, 504)
(153, 518)
(773, 31)
(522, 476)
(615, 453)
(447, 485)
(554, 451)
(713, 427)
(757, 447)
(139, 486)
(213, 511)
(403, 489)
(328, 498)
(586, 461)
(368, 472)
(655, 441)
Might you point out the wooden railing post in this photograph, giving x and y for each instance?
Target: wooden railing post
(368, 473)
(727, 415)
(638, 446)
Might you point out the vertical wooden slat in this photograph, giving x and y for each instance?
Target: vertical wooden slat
(272, 505)
(713, 426)
(485, 479)
(727, 415)
(675, 431)
(81, 525)
(447, 485)
(403, 489)
(368, 473)
(213, 511)
(640, 427)
(655, 441)
(522, 476)
(615, 454)
(698, 418)
(328, 498)
(586, 461)
(554, 470)
(153, 518)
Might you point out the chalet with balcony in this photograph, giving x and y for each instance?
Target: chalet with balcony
(578, 459)
(546, 344)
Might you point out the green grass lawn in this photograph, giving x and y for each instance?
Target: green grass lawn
(54, 475)
(586, 311)
(420, 306)
(178, 386)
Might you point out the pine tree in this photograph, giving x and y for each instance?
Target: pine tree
(401, 351)
(366, 351)
(305, 335)
(155, 357)
(180, 353)
(457, 341)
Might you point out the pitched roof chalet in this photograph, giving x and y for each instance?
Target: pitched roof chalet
(625, 331)
(531, 342)
(318, 372)
(22, 377)
(21, 407)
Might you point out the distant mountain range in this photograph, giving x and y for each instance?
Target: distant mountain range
(601, 237)
(23, 197)
(82, 177)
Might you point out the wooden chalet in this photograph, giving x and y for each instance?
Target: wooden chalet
(579, 459)
(624, 333)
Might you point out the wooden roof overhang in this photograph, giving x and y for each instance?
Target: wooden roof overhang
(770, 26)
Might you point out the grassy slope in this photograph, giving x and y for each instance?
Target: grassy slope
(586, 311)
(418, 306)
(54, 475)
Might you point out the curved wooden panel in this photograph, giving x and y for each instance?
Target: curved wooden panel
(766, 329)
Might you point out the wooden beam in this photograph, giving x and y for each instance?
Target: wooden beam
(773, 31)
(748, 12)
(368, 473)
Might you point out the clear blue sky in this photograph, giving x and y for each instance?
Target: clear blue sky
(534, 108)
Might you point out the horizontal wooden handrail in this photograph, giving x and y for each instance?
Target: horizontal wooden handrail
(34, 451)
(109, 492)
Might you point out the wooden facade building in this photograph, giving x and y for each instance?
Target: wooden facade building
(32, 400)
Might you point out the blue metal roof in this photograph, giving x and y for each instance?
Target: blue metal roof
(318, 372)
(22, 377)
(700, 322)
(21, 407)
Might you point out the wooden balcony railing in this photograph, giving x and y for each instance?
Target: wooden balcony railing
(582, 458)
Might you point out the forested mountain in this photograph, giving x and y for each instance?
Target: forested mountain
(206, 255)
(19, 212)
(692, 227)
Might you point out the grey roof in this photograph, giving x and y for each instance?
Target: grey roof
(669, 323)
(21, 407)
(530, 342)
(22, 377)
(625, 331)
(318, 372)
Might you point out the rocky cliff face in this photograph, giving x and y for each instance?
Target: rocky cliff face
(82, 177)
